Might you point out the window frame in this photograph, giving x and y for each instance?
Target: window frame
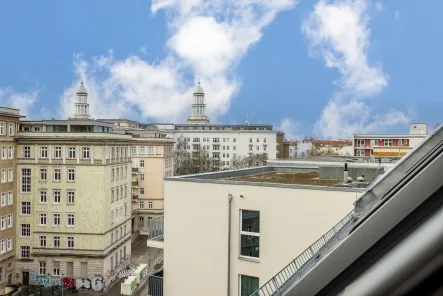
(57, 152)
(249, 234)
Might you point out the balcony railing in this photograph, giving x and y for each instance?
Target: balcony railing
(275, 285)
(155, 229)
(135, 183)
(135, 170)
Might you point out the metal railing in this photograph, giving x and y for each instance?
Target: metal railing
(296, 266)
(156, 229)
(155, 284)
(135, 170)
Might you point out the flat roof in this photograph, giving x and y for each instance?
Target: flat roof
(262, 176)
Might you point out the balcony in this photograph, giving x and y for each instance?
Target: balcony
(135, 196)
(156, 232)
(134, 183)
(134, 170)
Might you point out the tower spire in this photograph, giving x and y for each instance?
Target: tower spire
(198, 107)
(81, 103)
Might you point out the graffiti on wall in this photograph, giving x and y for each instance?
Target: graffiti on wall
(112, 274)
(44, 280)
(94, 282)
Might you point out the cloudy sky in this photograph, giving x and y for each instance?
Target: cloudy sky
(320, 68)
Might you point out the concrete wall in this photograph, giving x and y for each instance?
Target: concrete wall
(336, 173)
(196, 231)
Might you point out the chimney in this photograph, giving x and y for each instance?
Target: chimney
(345, 174)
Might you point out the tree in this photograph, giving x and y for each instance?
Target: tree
(186, 163)
(255, 160)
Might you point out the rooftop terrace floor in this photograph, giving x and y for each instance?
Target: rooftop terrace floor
(311, 178)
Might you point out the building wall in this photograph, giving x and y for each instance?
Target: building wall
(196, 237)
(96, 204)
(245, 142)
(8, 200)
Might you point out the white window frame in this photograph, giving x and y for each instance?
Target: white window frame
(44, 152)
(3, 128)
(10, 175)
(142, 163)
(27, 152)
(11, 152)
(9, 244)
(70, 219)
(42, 268)
(58, 152)
(71, 174)
(71, 153)
(12, 128)
(42, 241)
(4, 199)
(150, 204)
(27, 206)
(25, 250)
(9, 221)
(43, 196)
(26, 229)
(70, 195)
(57, 172)
(42, 219)
(25, 180)
(68, 240)
(54, 196)
(248, 233)
(142, 190)
(4, 152)
(141, 204)
(4, 176)
(56, 219)
(86, 153)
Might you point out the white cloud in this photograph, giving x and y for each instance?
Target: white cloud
(19, 100)
(378, 6)
(396, 14)
(338, 33)
(207, 40)
(291, 128)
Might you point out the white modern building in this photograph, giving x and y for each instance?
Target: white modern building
(221, 229)
(222, 140)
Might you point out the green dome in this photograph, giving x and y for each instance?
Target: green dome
(82, 90)
(198, 89)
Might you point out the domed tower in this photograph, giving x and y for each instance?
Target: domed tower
(198, 107)
(81, 104)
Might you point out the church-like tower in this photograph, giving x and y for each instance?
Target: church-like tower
(198, 107)
(81, 104)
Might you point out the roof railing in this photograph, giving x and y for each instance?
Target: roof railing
(296, 266)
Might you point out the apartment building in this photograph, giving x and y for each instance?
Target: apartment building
(389, 145)
(228, 242)
(222, 141)
(9, 119)
(152, 160)
(74, 196)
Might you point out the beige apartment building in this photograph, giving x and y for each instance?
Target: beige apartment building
(152, 161)
(230, 232)
(74, 197)
(9, 119)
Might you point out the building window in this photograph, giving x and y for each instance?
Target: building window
(57, 152)
(10, 175)
(70, 242)
(70, 219)
(12, 128)
(71, 152)
(248, 285)
(142, 190)
(2, 246)
(9, 244)
(142, 204)
(2, 128)
(42, 269)
(42, 241)
(44, 152)
(25, 252)
(26, 180)
(56, 196)
(57, 174)
(11, 152)
(250, 233)
(42, 219)
(142, 163)
(56, 241)
(3, 223)
(56, 219)
(388, 142)
(71, 175)
(71, 197)
(112, 195)
(85, 152)
(142, 177)
(4, 201)
(360, 143)
(258, 148)
(9, 221)
(4, 176)
(150, 204)
(43, 174)
(43, 196)
(4, 152)
(10, 198)
(26, 208)
(25, 230)
(56, 268)
(27, 152)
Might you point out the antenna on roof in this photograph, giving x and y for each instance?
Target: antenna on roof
(247, 119)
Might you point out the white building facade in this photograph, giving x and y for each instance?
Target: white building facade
(222, 140)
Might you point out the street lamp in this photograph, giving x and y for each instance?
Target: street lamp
(62, 283)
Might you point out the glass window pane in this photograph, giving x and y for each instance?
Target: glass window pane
(248, 284)
(251, 221)
(250, 246)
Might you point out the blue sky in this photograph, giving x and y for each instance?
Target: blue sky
(322, 68)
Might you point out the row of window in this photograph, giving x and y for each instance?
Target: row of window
(26, 177)
(56, 196)
(7, 175)
(119, 173)
(7, 152)
(118, 258)
(142, 204)
(56, 219)
(11, 128)
(5, 245)
(118, 193)
(71, 152)
(56, 242)
(7, 198)
(386, 142)
(6, 221)
(118, 213)
(115, 234)
(143, 149)
(257, 147)
(69, 272)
